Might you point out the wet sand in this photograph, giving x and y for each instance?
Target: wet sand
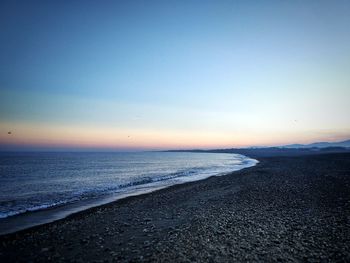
(284, 209)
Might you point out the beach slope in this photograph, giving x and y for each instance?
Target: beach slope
(283, 209)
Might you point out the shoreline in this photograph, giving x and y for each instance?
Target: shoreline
(289, 208)
(27, 220)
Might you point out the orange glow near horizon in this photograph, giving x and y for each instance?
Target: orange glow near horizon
(174, 76)
(114, 138)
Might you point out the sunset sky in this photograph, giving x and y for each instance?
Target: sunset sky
(130, 75)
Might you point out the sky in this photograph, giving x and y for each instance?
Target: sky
(134, 75)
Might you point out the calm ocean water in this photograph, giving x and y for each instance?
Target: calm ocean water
(38, 181)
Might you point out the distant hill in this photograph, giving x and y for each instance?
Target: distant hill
(273, 151)
(345, 144)
(286, 150)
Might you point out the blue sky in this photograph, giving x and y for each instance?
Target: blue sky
(174, 73)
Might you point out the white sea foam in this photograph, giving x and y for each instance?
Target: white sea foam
(38, 181)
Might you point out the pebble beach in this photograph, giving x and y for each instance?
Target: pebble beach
(290, 208)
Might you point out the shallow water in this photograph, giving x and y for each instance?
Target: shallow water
(75, 181)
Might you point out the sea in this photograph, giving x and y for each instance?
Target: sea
(38, 187)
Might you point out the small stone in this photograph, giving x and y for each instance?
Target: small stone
(44, 249)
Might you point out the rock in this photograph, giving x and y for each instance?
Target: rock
(45, 249)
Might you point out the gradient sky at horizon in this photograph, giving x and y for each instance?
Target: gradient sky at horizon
(173, 74)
